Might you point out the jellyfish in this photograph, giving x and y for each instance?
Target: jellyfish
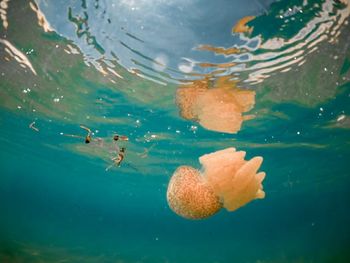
(219, 108)
(226, 180)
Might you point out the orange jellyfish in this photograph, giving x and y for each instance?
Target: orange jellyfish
(219, 108)
(226, 180)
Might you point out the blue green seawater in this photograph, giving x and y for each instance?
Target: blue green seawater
(57, 202)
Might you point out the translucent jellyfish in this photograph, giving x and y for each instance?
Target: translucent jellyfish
(226, 180)
(218, 109)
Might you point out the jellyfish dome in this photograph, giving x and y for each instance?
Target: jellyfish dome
(225, 180)
(189, 196)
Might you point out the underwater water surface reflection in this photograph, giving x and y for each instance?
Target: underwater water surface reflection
(103, 102)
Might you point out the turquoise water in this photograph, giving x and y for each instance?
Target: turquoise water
(57, 202)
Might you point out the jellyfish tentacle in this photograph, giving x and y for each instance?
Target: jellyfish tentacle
(260, 176)
(251, 166)
(247, 172)
(260, 194)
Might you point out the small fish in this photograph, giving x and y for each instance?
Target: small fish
(87, 138)
(118, 137)
(118, 159)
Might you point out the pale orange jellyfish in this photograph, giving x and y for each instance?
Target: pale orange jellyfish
(226, 180)
(219, 108)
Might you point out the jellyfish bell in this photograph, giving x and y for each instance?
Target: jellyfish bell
(225, 180)
(189, 196)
